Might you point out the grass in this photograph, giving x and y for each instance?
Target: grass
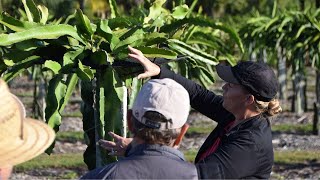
(301, 128)
(190, 155)
(280, 157)
(43, 161)
(199, 130)
(73, 161)
(294, 157)
(72, 114)
(24, 94)
(70, 136)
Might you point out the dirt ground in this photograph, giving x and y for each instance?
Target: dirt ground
(281, 141)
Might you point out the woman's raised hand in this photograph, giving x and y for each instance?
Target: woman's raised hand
(150, 68)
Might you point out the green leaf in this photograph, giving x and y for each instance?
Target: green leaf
(20, 67)
(114, 8)
(137, 36)
(180, 12)
(89, 126)
(8, 62)
(202, 22)
(274, 9)
(83, 22)
(53, 66)
(105, 31)
(70, 56)
(59, 92)
(32, 11)
(123, 22)
(190, 51)
(139, 39)
(44, 14)
(29, 45)
(84, 72)
(231, 60)
(99, 58)
(134, 90)
(43, 32)
(110, 97)
(15, 24)
(155, 10)
(71, 83)
(207, 76)
(17, 55)
(301, 29)
(157, 52)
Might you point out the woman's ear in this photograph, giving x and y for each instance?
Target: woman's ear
(250, 99)
(129, 120)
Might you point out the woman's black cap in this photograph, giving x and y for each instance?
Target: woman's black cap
(257, 78)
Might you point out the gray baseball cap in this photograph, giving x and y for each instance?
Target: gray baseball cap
(166, 97)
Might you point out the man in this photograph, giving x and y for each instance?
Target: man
(21, 138)
(158, 114)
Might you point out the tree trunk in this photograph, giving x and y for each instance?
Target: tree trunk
(252, 53)
(318, 86)
(299, 88)
(1, 7)
(87, 110)
(282, 73)
(263, 55)
(82, 4)
(315, 126)
(124, 110)
(301, 3)
(98, 114)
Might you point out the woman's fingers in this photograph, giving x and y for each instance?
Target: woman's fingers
(138, 58)
(150, 69)
(135, 51)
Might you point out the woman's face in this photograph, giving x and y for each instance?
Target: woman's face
(234, 97)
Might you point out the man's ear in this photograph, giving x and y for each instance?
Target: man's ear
(183, 131)
(129, 120)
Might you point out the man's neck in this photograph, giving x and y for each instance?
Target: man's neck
(137, 141)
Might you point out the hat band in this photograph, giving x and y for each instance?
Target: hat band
(156, 125)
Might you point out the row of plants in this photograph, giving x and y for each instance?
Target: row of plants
(288, 40)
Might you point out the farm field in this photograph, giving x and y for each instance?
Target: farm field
(297, 151)
(71, 63)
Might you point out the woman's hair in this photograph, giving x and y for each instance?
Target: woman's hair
(154, 136)
(270, 108)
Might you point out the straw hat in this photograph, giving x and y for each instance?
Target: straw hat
(21, 138)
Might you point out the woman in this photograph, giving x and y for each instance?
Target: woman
(241, 144)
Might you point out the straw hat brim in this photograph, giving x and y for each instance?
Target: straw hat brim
(37, 137)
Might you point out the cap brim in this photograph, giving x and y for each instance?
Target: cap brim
(225, 73)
